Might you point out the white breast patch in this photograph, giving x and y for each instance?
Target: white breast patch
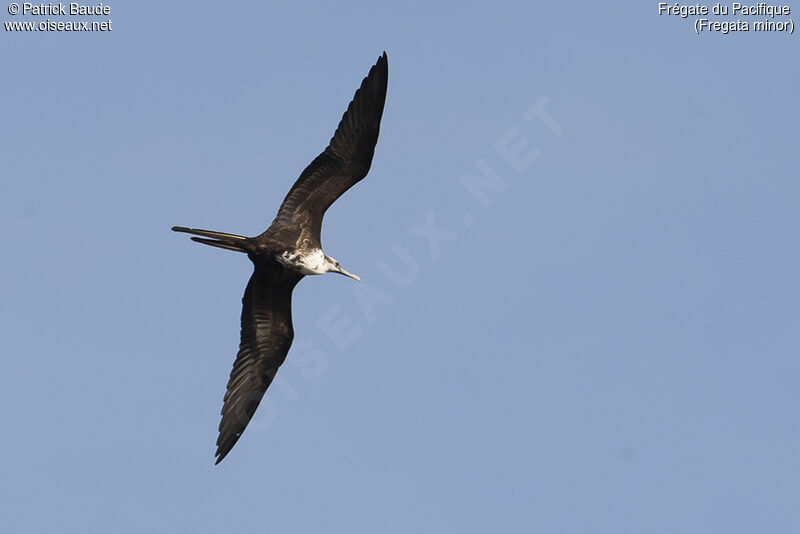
(309, 263)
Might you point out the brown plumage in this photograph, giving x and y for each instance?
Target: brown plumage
(290, 249)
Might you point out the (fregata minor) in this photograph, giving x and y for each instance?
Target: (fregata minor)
(290, 249)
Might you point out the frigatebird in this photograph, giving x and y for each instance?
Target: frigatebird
(290, 249)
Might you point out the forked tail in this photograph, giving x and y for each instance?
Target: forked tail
(219, 239)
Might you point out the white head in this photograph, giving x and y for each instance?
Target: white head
(332, 266)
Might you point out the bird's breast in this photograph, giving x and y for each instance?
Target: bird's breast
(304, 261)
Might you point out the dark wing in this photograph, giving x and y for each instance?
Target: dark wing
(344, 162)
(266, 337)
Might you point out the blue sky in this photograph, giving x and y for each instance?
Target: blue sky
(601, 337)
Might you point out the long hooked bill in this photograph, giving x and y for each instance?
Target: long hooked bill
(346, 273)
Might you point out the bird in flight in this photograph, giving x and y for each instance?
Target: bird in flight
(291, 249)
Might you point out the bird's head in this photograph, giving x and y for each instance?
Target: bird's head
(332, 266)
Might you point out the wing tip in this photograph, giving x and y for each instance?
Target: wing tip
(222, 450)
(382, 63)
(381, 67)
(376, 81)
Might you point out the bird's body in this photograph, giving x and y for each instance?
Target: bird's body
(290, 249)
